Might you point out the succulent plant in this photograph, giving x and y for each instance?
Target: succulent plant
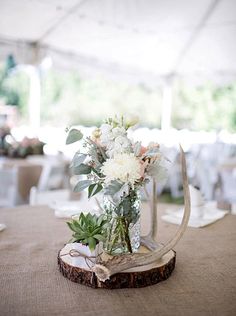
(88, 229)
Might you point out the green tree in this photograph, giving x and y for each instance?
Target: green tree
(206, 107)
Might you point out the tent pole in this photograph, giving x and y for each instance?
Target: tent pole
(34, 97)
(167, 104)
(35, 86)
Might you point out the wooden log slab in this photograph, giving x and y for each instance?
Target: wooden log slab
(132, 278)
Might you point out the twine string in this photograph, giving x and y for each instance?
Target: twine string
(89, 260)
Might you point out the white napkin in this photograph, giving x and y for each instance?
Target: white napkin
(202, 214)
(233, 209)
(2, 227)
(70, 208)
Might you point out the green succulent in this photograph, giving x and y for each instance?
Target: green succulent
(88, 229)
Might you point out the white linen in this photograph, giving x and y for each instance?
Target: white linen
(208, 214)
(233, 209)
(202, 213)
(69, 208)
(2, 227)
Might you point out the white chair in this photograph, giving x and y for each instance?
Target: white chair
(174, 181)
(8, 187)
(228, 185)
(54, 176)
(48, 197)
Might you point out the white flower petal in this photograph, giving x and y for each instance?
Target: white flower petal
(124, 167)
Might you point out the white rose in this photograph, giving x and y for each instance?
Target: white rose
(106, 133)
(105, 128)
(122, 142)
(120, 145)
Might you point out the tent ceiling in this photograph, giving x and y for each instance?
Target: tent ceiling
(151, 37)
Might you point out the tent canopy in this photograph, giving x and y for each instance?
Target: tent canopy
(139, 38)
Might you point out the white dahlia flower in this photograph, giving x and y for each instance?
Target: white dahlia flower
(123, 167)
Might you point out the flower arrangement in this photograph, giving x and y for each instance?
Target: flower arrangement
(118, 167)
(26, 147)
(12, 148)
(4, 146)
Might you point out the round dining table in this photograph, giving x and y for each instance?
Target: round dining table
(203, 282)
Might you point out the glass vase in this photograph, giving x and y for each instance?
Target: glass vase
(123, 232)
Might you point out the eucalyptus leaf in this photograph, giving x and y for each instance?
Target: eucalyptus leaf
(94, 189)
(73, 136)
(82, 169)
(97, 171)
(81, 185)
(127, 207)
(94, 156)
(78, 159)
(113, 187)
(123, 192)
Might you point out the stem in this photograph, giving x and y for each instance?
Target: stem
(100, 149)
(126, 231)
(113, 243)
(109, 238)
(154, 210)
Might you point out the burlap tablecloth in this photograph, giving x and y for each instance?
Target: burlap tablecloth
(203, 283)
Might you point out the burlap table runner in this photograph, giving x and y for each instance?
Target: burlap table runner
(203, 283)
(28, 175)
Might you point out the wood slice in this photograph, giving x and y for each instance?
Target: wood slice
(132, 278)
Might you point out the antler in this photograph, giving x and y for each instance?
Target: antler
(120, 263)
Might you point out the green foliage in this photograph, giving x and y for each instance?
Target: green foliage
(94, 189)
(205, 107)
(14, 88)
(87, 101)
(73, 136)
(96, 157)
(78, 159)
(114, 187)
(82, 169)
(88, 229)
(81, 185)
(126, 212)
(127, 207)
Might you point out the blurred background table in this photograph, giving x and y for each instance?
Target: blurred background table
(28, 174)
(18, 176)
